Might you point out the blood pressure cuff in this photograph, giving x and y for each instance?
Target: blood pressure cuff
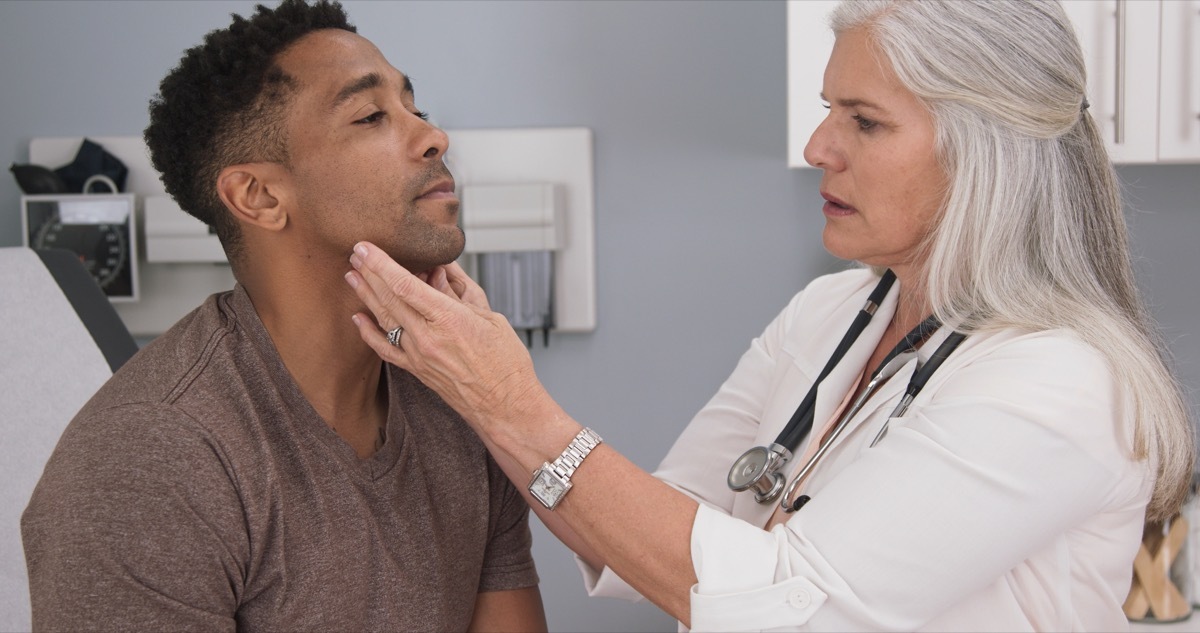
(90, 160)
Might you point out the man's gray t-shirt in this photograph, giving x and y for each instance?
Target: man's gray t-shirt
(200, 490)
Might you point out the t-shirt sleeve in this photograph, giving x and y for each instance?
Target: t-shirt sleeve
(508, 559)
(135, 525)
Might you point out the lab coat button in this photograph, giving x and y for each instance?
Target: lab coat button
(799, 598)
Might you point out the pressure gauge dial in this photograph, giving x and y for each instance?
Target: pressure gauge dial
(98, 229)
(103, 248)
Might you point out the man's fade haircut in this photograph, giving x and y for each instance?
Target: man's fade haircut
(224, 104)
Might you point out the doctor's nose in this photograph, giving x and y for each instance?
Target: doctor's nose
(821, 151)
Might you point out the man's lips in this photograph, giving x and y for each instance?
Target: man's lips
(441, 190)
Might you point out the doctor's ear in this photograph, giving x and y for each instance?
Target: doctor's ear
(254, 193)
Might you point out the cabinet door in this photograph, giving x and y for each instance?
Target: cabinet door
(808, 46)
(1179, 103)
(1121, 49)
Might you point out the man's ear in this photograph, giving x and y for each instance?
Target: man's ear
(254, 193)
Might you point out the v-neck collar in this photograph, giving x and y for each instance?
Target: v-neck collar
(305, 415)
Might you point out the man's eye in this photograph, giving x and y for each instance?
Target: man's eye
(864, 123)
(374, 117)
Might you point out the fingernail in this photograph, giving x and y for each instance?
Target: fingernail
(360, 249)
(352, 280)
(356, 261)
(354, 317)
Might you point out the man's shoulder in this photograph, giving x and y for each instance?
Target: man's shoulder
(175, 367)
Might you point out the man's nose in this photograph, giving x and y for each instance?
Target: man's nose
(433, 143)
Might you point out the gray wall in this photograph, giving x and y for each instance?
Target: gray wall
(702, 233)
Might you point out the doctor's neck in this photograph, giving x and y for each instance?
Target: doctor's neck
(913, 303)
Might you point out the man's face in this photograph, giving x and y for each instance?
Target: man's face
(363, 163)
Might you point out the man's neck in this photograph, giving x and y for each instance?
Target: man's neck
(307, 315)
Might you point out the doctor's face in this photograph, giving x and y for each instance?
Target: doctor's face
(882, 183)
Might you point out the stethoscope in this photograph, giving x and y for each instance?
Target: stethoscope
(759, 468)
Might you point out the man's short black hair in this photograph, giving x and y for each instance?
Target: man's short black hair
(225, 104)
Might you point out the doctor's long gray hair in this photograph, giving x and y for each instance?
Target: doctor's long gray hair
(1032, 233)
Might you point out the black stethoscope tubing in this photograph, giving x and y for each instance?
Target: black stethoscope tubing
(766, 462)
(802, 420)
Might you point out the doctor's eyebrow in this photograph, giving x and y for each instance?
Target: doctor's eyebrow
(364, 83)
(851, 103)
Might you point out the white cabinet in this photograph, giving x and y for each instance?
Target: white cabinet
(1143, 65)
(1121, 50)
(808, 46)
(1179, 82)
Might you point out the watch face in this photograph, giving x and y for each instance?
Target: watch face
(547, 487)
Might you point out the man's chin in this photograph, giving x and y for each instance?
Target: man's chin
(418, 258)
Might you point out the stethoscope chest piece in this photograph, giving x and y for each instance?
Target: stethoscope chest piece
(758, 469)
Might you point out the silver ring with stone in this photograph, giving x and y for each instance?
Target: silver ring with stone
(394, 335)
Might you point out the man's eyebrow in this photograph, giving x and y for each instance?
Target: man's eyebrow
(366, 82)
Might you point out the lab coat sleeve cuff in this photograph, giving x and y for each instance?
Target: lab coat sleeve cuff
(606, 583)
(738, 568)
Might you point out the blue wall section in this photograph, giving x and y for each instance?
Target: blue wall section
(702, 232)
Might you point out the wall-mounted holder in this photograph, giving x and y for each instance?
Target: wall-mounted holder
(174, 236)
(528, 212)
(514, 231)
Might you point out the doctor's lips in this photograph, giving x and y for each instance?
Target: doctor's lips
(440, 190)
(835, 205)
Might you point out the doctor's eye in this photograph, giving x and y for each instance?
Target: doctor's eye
(424, 116)
(864, 123)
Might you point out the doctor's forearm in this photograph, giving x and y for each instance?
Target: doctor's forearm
(553, 522)
(637, 525)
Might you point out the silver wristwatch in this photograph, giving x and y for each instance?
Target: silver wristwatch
(552, 481)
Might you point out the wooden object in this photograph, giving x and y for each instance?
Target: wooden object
(1156, 593)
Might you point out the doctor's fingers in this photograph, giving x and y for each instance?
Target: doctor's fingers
(378, 342)
(389, 311)
(465, 287)
(390, 290)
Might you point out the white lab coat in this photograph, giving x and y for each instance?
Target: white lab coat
(1006, 499)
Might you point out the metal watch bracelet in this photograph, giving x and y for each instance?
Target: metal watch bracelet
(572, 456)
(552, 481)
